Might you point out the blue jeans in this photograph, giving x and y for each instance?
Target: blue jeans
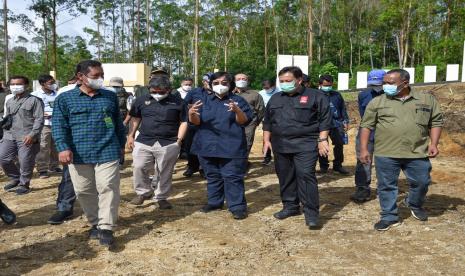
(225, 179)
(66, 196)
(363, 171)
(417, 172)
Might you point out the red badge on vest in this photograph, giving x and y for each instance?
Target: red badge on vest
(303, 99)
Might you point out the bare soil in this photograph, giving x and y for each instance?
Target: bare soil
(184, 241)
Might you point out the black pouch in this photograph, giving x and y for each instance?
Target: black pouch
(7, 122)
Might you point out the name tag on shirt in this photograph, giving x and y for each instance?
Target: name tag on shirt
(303, 99)
(227, 104)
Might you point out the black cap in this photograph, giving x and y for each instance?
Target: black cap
(160, 81)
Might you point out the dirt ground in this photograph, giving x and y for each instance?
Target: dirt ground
(184, 241)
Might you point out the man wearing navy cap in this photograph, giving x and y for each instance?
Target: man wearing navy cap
(363, 171)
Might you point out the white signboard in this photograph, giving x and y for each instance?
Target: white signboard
(302, 63)
(343, 81)
(452, 73)
(362, 79)
(411, 72)
(430, 74)
(283, 61)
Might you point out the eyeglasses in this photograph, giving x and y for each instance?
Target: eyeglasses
(225, 83)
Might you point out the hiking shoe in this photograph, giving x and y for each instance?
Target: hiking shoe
(189, 172)
(59, 217)
(139, 200)
(164, 204)
(43, 175)
(22, 190)
(285, 213)
(208, 208)
(384, 225)
(341, 170)
(313, 223)
(106, 237)
(11, 186)
(6, 214)
(56, 170)
(266, 162)
(361, 195)
(94, 233)
(418, 213)
(323, 170)
(202, 173)
(239, 215)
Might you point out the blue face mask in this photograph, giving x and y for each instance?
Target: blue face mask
(390, 89)
(287, 87)
(327, 88)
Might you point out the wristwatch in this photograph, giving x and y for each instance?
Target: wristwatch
(322, 139)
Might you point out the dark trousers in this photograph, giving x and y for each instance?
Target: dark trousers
(336, 135)
(417, 172)
(225, 179)
(297, 180)
(26, 155)
(192, 159)
(363, 171)
(66, 196)
(250, 136)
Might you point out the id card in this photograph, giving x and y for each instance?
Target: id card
(108, 122)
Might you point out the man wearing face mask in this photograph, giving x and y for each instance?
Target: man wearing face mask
(363, 171)
(340, 124)
(296, 126)
(269, 89)
(21, 136)
(408, 126)
(162, 118)
(256, 104)
(47, 158)
(90, 138)
(144, 90)
(186, 87)
(221, 145)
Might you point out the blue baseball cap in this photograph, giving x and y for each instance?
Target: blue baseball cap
(375, 77)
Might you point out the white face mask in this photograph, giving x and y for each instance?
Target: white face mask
(17, 89)
(186, 88)
(241, 83)
(159, 97)
(220, 89)
(95, 83)
(53, 87)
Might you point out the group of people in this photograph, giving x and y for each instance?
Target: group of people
(86, 127)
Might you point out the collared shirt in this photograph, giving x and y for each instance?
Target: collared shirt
(338, 109)
(197, 94)
(28, 120)
(48, 99)
(402, 127)
(256, 104)
(364, 98)
(219, 135)
(91, 127)
(295, 121)
(67, 88)
(267, 96)
(160, 119)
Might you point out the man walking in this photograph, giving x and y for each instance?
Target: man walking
(408, 126)
(90, 137)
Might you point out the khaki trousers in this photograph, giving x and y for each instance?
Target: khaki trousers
(47, 158)
(97, 189)
(163, 159)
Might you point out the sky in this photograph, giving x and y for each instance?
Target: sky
(65, 26)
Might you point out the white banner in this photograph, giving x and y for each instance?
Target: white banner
(430, 74)
(343, 81)
(362, 79)
(452, 73)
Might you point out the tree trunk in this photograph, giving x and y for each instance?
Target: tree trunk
(310, 33)
(5, 32)
(406, 36)
(275, 30)
(147, 50)
(196, 43)
(138, 31)
(45, 42)
(113, 19)
(133, 32)
(99, 41)
(122, 29)
(54, 29)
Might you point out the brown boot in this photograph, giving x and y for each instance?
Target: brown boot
(139, 200)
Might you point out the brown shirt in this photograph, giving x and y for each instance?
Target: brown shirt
(256, 104)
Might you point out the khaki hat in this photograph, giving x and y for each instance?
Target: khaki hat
(159, 70)
(116, 82)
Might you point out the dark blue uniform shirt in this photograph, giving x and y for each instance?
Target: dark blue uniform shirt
(219, 135)
(364, 98)
(338, 109)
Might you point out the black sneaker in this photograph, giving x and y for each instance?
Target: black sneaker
(106, 238)
(361, 195)
(11, 186)
(285, 213)
(164, 204)
(266, 162)
(239, 215)
(6, 214)
(189, 172)
(22, 190)
(341, 170)
(56, 170)
(43, 175)
(418, 213)
(59, 217)
(94, 233)
(313, 223)
(202, 173)
(384, 225)
(323, 170)
(208, 208)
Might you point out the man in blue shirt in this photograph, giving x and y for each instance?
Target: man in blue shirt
(47, 158)
(269, 89)
(90, 138)
(363, 171)
(340, 124)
